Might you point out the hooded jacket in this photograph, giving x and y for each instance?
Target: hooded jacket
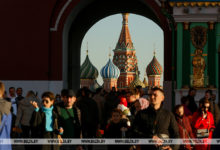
(25, 111)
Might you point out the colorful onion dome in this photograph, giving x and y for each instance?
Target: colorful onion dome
(110, 70)
(136, 82)
(154, 67)
(87, 70)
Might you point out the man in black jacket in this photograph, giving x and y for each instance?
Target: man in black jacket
(69, 117)
(89, 114)
(156, 122)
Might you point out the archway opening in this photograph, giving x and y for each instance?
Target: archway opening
(102, 38)
(76, 27)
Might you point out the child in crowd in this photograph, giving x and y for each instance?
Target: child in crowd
(117, 128)
(44, 121)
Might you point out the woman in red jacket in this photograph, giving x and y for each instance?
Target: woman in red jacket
(203, 124)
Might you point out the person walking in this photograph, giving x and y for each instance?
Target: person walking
(69, 117)
(90, 114)
(45, 121)
(24, 114)
(5, 118)
(214, 109)
(203, 124)
(117, 128)
(184, 125)
(191, 96)
(156, 122)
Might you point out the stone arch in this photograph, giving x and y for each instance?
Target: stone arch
(72, 19)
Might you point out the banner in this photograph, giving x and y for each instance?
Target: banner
(96, 141)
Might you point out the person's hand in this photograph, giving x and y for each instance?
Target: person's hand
(61, 130)
(202, 133)
(204, 114)
(33, 103)
(60, 139)
(159, 141)
(166, 148)
(124, 129)
(16, 129)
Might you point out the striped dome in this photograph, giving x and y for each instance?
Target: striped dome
(110, 70)
(154, 68)
(87, 70)
(136, 82)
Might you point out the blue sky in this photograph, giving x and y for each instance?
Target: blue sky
(104, 35)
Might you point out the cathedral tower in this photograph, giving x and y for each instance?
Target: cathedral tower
(125, 56)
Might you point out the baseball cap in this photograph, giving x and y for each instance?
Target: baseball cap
(68, 93)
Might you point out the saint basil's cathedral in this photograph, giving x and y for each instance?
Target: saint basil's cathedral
(121, 72)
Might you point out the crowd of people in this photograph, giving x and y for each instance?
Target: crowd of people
(114, 114)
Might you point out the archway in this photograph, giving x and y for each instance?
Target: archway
(79, 16)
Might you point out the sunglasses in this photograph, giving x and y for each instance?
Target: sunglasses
(46, 101)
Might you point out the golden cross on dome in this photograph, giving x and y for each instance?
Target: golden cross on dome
(109, 52)
(154, 50)
(87, 51)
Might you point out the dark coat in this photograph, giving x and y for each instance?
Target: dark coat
(89, 116)
(216, 134)
(192, 104)
(113, 130)
(111, 102)
(38, 124)
(215, 111)
(146, 125)
(76, 120)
